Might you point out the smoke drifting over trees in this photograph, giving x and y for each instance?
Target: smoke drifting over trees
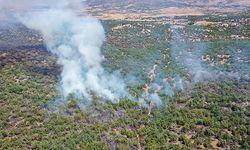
(76, 42)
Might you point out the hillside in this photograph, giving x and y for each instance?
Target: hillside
(132, 9)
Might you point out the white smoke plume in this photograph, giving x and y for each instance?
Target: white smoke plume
(158, 87)
(76, 41)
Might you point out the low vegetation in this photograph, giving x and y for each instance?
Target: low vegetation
(207, 115)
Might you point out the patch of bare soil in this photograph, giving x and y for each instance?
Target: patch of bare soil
(214, 143)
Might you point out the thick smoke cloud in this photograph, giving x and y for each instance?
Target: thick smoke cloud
(76, 41)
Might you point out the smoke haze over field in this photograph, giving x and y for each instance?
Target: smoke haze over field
(192, 56)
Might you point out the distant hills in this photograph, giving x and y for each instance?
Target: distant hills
(118, 9)
(152, 4)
